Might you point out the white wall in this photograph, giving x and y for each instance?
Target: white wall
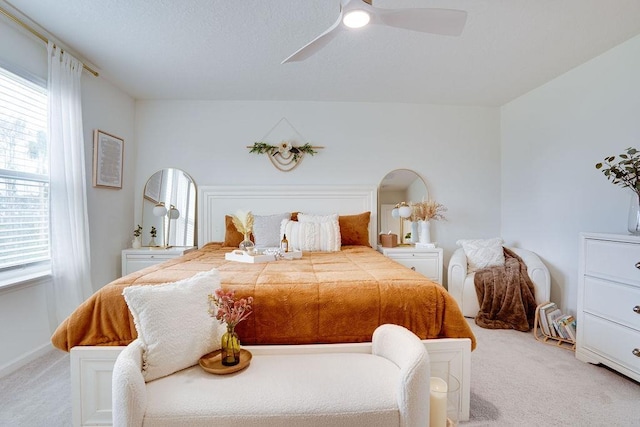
(551, 139)
(455, 149)
(26, 322)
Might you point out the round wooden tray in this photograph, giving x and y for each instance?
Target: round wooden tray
(212, 362)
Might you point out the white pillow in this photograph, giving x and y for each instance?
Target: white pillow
(482, 253)
(173, 323)
(317, 218)
(266, 229)
(312, 236)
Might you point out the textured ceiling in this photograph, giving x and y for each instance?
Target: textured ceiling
(231, 50)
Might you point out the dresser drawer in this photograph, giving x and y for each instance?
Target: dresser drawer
(612, 301)
(611, 341)
(612, 260)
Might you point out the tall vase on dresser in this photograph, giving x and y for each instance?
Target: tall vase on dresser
(425, 231)
(634, 215)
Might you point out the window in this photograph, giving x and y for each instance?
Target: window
(24, 173)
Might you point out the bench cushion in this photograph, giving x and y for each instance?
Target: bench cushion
(334, 389)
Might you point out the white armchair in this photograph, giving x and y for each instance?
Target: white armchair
(463, 290)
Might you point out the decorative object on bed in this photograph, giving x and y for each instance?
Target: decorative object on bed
(266, 229)
(322, 236)
(173, 188)
(243, 221)
(136, 243)
(228, 310)
(423, 213)
(626, 173)
(461, 281)
(354, 229)
(173, 332)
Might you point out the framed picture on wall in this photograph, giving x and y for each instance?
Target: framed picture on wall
(108, 153)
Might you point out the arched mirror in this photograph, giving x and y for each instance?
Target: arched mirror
(398, 186)
(169, 206)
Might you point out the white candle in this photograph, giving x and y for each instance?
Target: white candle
(438, 403)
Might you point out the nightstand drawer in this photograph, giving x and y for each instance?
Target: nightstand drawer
(137, 259)
(426, 261)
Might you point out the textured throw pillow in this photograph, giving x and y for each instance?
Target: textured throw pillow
(312, 236)
(266, 229)
(232, 237)
(317, 218)
(173, 323)
(354, 229)
(482, 253)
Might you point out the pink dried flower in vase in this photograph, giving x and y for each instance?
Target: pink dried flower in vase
(224, 307)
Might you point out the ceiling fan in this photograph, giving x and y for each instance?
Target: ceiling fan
(358, 13)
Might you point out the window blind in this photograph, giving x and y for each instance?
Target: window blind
(24, 172)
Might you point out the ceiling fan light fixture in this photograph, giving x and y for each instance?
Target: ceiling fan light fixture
(356, 18)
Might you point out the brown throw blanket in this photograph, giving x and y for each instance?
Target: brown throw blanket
(506, 295)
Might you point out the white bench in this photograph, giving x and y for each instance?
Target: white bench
(387, 387)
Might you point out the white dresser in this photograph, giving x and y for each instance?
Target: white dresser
(426, 261)
(608, 308)
(137, 259)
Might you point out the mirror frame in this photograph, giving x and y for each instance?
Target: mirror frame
(403, 185)
(156, 192)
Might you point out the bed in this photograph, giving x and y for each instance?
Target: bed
(331, 297)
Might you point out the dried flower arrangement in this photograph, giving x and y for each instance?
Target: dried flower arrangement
(427, 210)
(153, 232)
(138, 231)
(243, 221)
(224, 307)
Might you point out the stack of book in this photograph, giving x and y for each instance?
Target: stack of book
(554, 323)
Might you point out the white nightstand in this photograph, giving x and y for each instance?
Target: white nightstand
(137, 259)
(427, 261)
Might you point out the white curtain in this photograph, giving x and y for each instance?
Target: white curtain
(70, 256)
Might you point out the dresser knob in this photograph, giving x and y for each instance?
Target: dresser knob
(637, 309)
(638, 265)
(636, 352)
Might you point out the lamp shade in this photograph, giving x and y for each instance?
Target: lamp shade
(404, 211)
(174, 213)
(159, 210)
(395, 212)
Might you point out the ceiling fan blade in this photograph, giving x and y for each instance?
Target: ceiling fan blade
(316, 44)
(448, 22)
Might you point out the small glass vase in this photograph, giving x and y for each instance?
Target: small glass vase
(633, 224)
(247, 244)
(230, 350)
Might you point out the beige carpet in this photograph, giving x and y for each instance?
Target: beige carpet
(515, 381)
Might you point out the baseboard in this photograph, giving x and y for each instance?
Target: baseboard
(18, 363)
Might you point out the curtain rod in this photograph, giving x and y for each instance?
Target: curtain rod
(40, 36)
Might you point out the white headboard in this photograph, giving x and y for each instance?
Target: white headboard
(214, 202)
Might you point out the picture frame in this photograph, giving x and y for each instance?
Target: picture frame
(153, 188)
(108, 158)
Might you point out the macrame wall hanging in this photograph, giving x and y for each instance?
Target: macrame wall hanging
(285, 155)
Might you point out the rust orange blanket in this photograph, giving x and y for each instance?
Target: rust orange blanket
(325, 297)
